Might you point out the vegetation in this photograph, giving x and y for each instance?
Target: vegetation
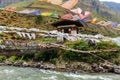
(113, 6)
(13, 58)
(99, 10)
(48, 40)
(54, 55)
(24, 3)
(81, 45)
(49, 55)
(106, 45)
(28, 21)
(2, 58)
(97, 29)
(38, 19)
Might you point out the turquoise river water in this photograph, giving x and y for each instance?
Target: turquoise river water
(15, 73)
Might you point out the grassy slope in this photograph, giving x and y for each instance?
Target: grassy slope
(21, 4)
(99, 10)
(113, 6)
(22, 20)
(43, 6)
(97, 29)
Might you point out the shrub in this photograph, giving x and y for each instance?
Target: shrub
(38, 56)
(48, 40)
(68, 55)
(82, 57)
(106, 45)
(80, 45)
(91, 58)
(27, 57)
(38, 19)
(46, 56)
(54, 60)
(13, 58)
(2, 58)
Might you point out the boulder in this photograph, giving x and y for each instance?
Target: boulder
(17, 64)
(25, 64)
(116, 69)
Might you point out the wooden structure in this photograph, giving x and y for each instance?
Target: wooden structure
(69, 22)
(68, 26)
(67, 29)
(70, 29)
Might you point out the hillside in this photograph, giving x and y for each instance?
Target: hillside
(4, 3)
(31, 39)
(98, 9)
(113, 6)
(29, 21)
(23, 20)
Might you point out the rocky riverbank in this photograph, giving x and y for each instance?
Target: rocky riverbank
(75, 67)
(70, 60)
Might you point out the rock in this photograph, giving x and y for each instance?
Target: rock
(17, 64)
(49, 66)
(67, 66)
(25, 64)
(36, 65)
(61, 66)
(98, 68)
(107, 66)
(94, 66)
(41, 66)
(2, 64)
(86, 67)
(116, 69)
(8, 63)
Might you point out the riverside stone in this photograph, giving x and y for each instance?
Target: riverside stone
(17, 64)
(25, 64)
(74, 67)
(117, 71)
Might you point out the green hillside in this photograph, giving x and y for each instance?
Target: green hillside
(98, 9)
(23, 20)
(113, 6)
(29, 21)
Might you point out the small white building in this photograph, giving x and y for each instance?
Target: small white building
(67, 29)
(70, 29)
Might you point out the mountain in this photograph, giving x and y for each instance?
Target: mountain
(113, 6)
(7, 2)
(99, 10)
(27, 21)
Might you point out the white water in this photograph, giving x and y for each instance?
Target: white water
(14, 73)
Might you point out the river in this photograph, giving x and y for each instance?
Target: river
(15, 73)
